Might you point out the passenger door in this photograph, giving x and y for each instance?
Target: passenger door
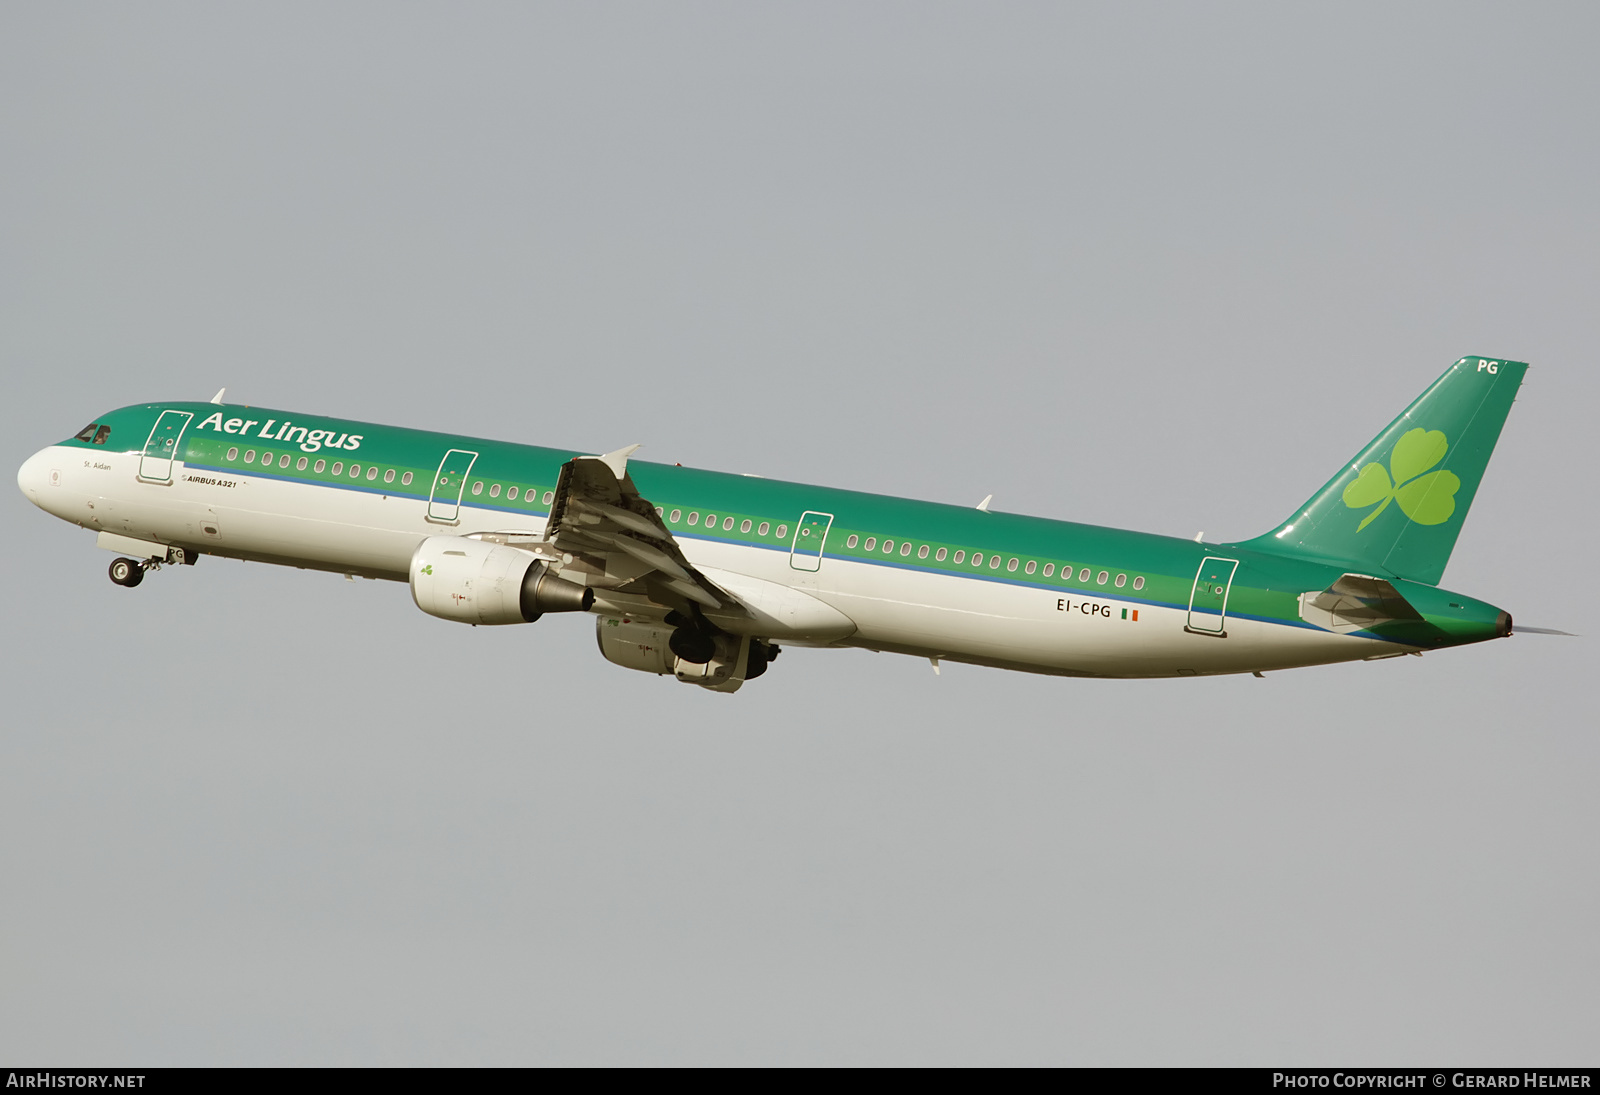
(810, 534)
(155, 465)
(444, 502)
(1208, 600)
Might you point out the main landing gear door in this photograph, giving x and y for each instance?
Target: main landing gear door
(155, 466)
(809, 536)
(444, 503)
(1208, 600)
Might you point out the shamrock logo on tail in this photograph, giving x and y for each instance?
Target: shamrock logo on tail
(1426, 499)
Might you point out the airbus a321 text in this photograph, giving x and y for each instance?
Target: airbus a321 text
(701, 575)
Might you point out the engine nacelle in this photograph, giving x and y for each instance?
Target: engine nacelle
(636, 644)
(473, 582)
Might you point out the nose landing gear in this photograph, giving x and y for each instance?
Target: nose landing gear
(127, 572)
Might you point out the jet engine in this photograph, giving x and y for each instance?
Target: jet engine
(473, 582)
(649, 647)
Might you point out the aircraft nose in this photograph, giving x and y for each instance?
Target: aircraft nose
(33, 478)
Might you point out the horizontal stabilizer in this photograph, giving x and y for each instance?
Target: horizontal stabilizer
(1356, 602)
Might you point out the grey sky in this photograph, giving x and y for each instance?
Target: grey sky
(1159, 266)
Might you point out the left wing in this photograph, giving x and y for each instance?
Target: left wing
(603, 533)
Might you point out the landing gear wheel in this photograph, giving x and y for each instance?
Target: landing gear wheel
(127, 572)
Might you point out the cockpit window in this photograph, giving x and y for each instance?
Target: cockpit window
(87, 433)
(101, 434)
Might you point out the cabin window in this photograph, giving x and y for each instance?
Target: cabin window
(494, 491)
(1122, 580)
(977, 558)
(905, 549)
(727, 524)
(1100, 579)
(677, 515)
(711, 520)
(960, 556)
(233, 454)
(852, 541)
(477, 488)
(405, 481)
(888, 547)
(872, 543)
(994, 562)
(372, 473)
(694, 518)
(1138, 583)
(1031, 566)
(744, 526)
(549, 496)
(922, 552)
(338, 467)
(1012, 565)
(1049, 569)
(659, 510)
(940, 554)
(783, 530)
(1083, 575)
(283, 461)
(355, 471)
(319, 466)
(300, 464)
(766, 526)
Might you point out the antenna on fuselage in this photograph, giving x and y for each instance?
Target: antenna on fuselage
(984, 505)
(217, 399)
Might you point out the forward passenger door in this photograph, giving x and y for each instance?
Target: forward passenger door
(160, 449)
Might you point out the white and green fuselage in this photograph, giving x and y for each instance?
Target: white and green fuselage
(787, 562)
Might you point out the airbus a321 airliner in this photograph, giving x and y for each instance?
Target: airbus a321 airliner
(702, 574)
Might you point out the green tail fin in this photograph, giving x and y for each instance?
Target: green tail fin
(1397, 507)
